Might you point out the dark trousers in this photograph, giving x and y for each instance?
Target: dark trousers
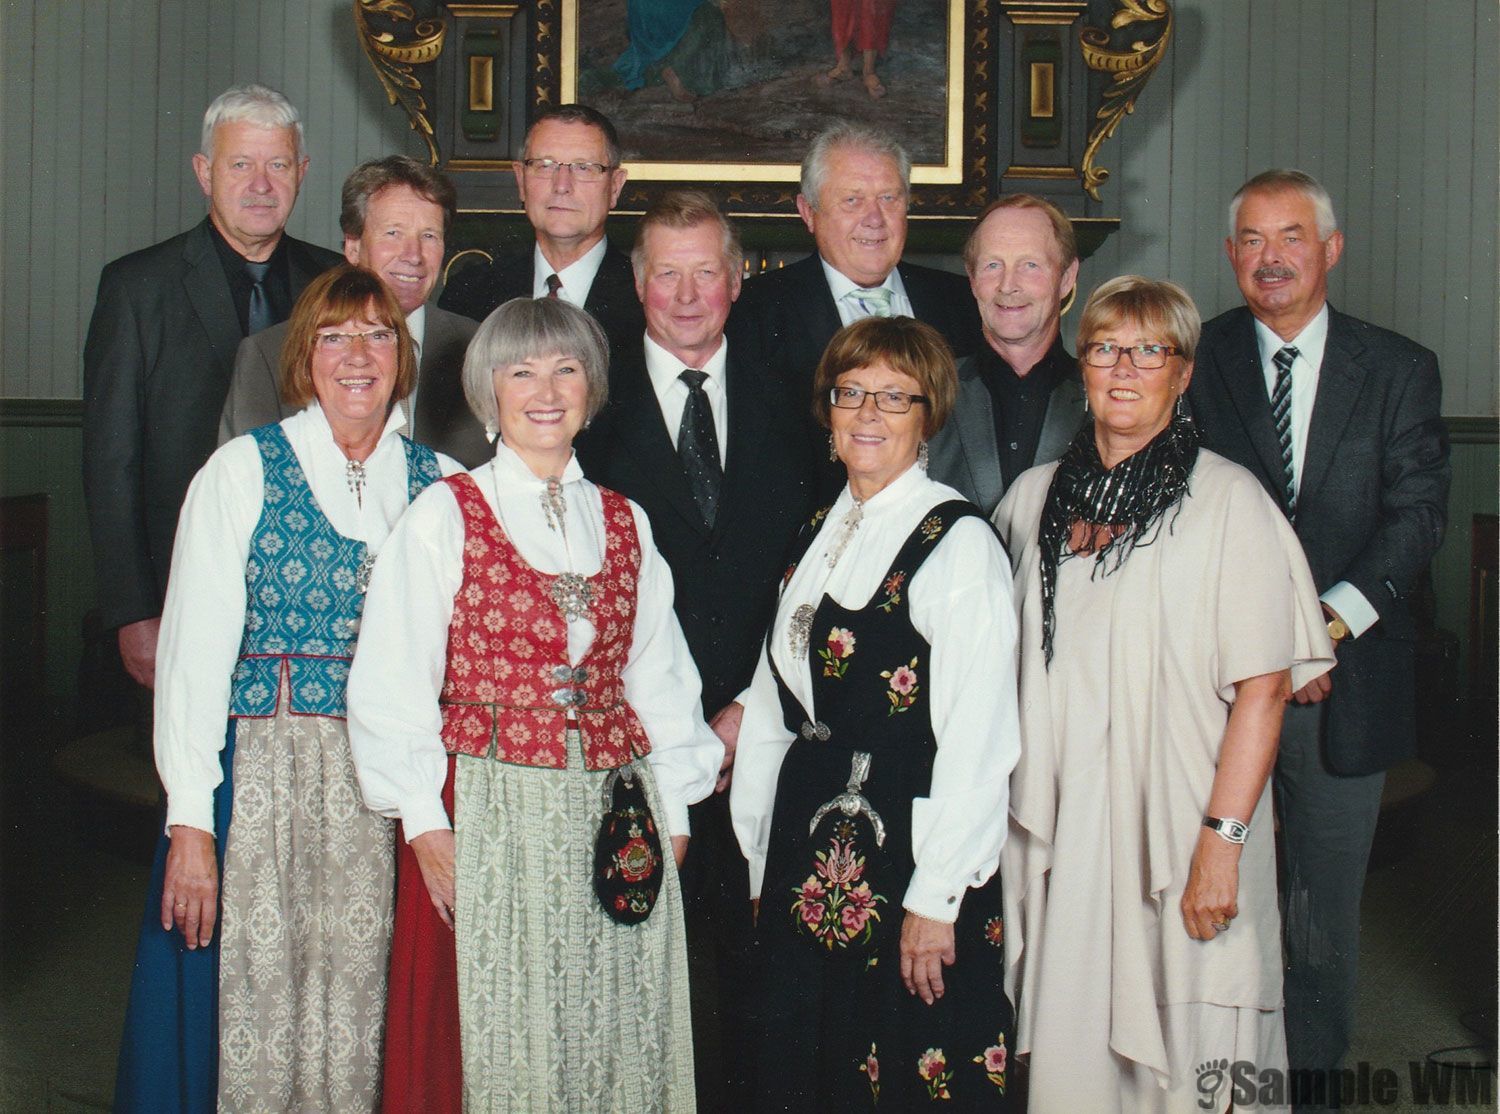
(1327, 826)
(716, 905)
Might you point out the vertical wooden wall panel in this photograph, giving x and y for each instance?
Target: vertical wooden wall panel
(1482, 342)
(16, 239)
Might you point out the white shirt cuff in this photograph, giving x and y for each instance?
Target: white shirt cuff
(928, 899)
(1352, 607)
(424, 814)
(191, 809)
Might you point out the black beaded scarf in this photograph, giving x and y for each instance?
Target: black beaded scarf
(1135, 494)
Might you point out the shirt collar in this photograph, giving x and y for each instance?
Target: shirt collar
(394, 421)
(665, 368)
(892, 495)
(577, 277)
(416, 325)
(840, 284)
(512, 473)
(1309, 343)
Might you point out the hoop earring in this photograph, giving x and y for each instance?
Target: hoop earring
(833, 453)
(923, 456)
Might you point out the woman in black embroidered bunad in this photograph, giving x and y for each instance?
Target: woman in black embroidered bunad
(261, 973)
(525, 703)
(1166, 614)
(870, 784)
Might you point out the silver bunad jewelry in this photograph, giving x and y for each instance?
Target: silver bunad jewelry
(833, 452)
(799, 627)
(354, 476)
(922, 456)
(572, 593)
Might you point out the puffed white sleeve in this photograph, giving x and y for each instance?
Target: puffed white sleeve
(395, 726)
(961, 604)
(764, 741)
(202, 626)
(663, 687)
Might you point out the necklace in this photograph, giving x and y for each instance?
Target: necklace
(799, 627)
(354, 476)
(570, 592)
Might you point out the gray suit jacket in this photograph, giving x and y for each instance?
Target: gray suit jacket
(964, 454)
(443, 419)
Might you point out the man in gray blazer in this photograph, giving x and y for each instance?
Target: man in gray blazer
(161, 344)
(395, 216)
(1020, 398)
(1340, 422)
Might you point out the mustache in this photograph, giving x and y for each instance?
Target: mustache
(1274, 272)
(259, 202)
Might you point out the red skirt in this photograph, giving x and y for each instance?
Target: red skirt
(865, 23)
(423, 1069)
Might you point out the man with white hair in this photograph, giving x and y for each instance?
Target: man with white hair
(161, 347)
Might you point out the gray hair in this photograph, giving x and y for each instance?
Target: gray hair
(1271, 181)
(253, 104)
(858, 137)
(681, 210)
(525, 329)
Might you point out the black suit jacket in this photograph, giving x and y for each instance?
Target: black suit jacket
(1371, 504)
(443, 419)
(788, 316)
(476, 290)
(156, 369)
(726, 577)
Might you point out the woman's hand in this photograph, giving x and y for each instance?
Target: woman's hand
(1210, 901)
(679, 849)
(926, 948)
(190, 887)
(434, 852)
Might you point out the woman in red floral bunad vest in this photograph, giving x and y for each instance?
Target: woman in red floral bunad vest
(525, 703)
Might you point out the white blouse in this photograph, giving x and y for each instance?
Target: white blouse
(394, 721)
(960, 603)
(203, 618)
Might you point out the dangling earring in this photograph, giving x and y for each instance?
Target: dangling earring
(491, 431)
(833, 452)
(1182, 408)
(922, 456)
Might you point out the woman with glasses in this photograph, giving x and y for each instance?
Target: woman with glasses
(272, 890)
(1166, 614)
(870, 784)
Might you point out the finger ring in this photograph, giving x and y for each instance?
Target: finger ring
(182, 905)
(1222, 926)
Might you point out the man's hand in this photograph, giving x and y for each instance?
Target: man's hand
(1315, 691)
(138, 650)
(726, 725)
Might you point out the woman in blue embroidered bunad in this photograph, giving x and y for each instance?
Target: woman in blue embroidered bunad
(869, 791)
(261, 971)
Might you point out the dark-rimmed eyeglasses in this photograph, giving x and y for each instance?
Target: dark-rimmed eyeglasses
(582, 171)
(343, 342)
(1144, 357)
(892, 402)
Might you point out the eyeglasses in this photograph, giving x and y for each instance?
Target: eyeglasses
(343, 342)
(1144, 357)
(582, 171)
(892, 402)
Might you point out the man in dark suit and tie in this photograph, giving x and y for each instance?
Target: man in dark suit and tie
(395, 216)
(855, 188)
(569, 178)
(1020, 397)
(161, 346)
(1340, 421)
(708, 447)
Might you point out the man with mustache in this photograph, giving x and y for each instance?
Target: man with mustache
(1340, 421)
(161, 347)
(1020, 398)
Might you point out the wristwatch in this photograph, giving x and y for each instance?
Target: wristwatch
(1235, 831)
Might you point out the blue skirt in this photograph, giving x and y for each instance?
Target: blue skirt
(169, 1054)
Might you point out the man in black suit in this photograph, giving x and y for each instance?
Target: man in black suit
(395, 216)
(1020, 397)
(855, 188)
(161, 346)
(1340, 421)
(702, 440)
(569, 178)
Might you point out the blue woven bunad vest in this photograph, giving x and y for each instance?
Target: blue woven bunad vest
(304, 589)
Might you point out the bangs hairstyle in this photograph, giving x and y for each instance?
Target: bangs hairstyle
(345, 293)
(251, 104)
(528, 329)
(1160, 308)
(902, 344)
(1062, 227)
(682, 210)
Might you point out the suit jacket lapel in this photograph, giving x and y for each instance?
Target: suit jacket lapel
(208, 293)
(1339, 382)
(814, 303)
(974, 422)
(1245, 382)
(748, 426)
(639, 425)
(1065, 412)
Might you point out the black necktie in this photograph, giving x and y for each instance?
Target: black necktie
(260, 305)
(1281, 413)
(554, 284)
(698, 447)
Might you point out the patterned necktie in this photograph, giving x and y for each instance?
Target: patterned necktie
(698, 447)
(260, 305)
(554, 284)
(1281, 414)
(872, 302)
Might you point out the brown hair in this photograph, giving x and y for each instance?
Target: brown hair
(1062, 227)
(369, 178)
(682, 209)
(902, 344)
(344, 293)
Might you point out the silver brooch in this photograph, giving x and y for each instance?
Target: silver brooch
(573, 595)
(362, 574)
(800, 629)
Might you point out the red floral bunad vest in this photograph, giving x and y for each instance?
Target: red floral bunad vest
(509, 686)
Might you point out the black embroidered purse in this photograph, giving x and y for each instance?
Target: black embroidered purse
(628, 866)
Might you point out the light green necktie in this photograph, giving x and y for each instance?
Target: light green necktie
(873, 302)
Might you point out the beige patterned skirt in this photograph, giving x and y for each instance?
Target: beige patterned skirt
(308, 892)
(561, 1009)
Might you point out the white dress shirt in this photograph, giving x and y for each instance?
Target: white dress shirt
(416, 325)
(395, 725)
(577, 277)
(1344, 598)
(840, 285)
(203, 619)
(960, 602)
(666, 370)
